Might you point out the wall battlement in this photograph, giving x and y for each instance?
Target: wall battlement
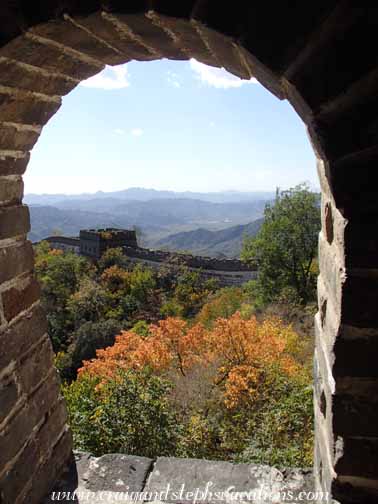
(93, 243)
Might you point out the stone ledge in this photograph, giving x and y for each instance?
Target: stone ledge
(110, 477)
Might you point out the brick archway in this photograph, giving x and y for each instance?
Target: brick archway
(305, 53)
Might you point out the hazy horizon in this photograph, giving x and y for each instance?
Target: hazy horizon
(232, 191)
(149, 189)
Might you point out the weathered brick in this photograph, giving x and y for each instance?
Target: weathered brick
(8, 396)
(188, 38)
(262, 73)
(225, 52)
(50, 58)
(14, 221)
(16, 339)
(20, 297)
(20, 429)
(13, 137)
(34, 367)
(153, 36)
(15, 479)
(37, 449)
(47, 473)
(34, 79)
(16, 260)
(13, 165)
(48, 434)
(26, 109)
(66, 33)
(103, 28)
(11, 189)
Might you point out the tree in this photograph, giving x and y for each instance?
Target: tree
(59, 275)
(90, 337)
(285, 248)
(222, 304)
(128, 292)
(88, 304)
(244, 353)
(228, 381)
(127, 414)
(190, 293)
(112, 257)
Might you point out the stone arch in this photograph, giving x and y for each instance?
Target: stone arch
(321, 56)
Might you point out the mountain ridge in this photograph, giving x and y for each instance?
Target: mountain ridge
(226, 242)
(145, 194)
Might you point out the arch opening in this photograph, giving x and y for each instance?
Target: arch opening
(69, 335)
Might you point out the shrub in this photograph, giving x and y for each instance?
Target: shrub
(127, 414)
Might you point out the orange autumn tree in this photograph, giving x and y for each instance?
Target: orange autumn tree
(249, 351)
(242, 352)
(171, 344)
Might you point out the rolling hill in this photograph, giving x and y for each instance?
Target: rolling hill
(156, 218)
(226, 242)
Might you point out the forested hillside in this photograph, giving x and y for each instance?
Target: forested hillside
(225, 242)
(164, 362)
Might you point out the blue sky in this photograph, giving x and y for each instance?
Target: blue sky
(170, 125)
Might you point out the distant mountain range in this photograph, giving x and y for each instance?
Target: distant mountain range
(226, 242)
(194, 223)
(141, 194)
(48, 220)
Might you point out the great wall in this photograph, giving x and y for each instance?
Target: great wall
(92, 243)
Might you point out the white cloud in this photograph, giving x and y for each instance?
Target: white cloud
(119, 131)
(217, 77)
(173, 79)
(137, 132)
(112, 77)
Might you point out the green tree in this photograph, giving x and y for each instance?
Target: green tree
(92, 336)
(88, 304)
(222, 304)
(59, 275)
(285, 248)
(190, 293)
(280, 427)
(112, 257)
(128, 414)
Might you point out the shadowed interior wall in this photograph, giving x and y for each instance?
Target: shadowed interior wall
(322, 57)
